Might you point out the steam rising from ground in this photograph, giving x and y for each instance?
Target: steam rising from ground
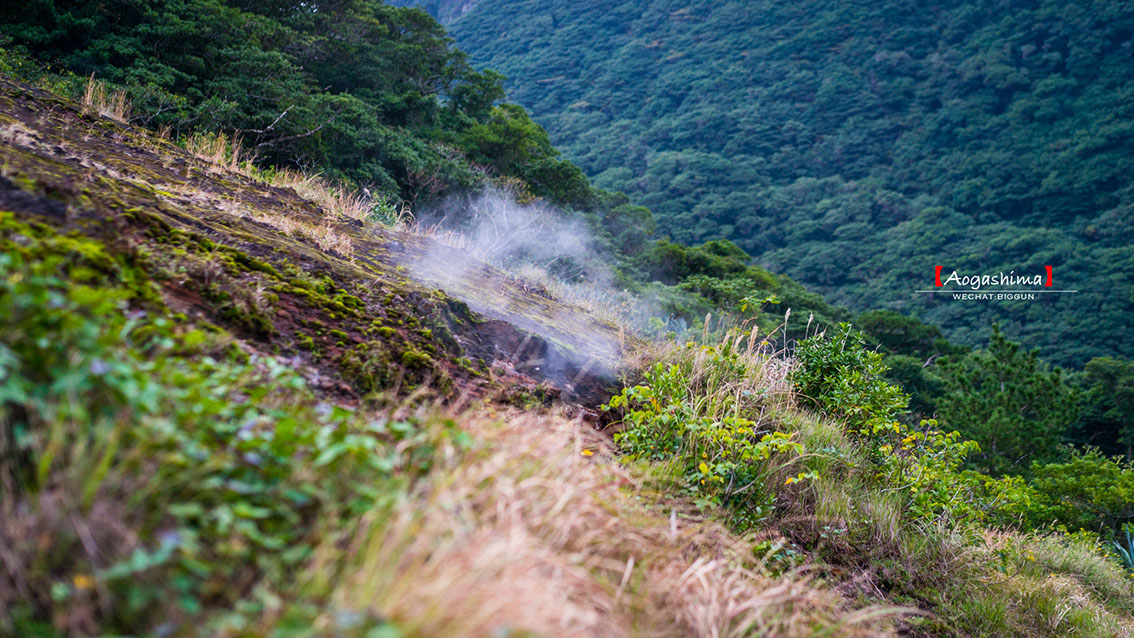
(549, 255)
(494, 228)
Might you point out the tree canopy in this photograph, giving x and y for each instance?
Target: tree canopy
(854, 146)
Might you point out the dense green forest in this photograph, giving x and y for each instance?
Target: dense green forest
(855, 146)
(243, 391)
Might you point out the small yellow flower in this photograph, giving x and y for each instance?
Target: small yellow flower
(588, 453)
(790, 480)
(82, 581)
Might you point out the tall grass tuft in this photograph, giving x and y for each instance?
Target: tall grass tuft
(114, 104)
(221, 152)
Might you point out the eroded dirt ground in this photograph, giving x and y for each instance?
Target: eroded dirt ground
(358, 307)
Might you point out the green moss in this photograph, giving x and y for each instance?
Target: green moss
(242, 315)
(467, 365)
(387, 332)
(530, 398)
(314, 324)
(349, 301)
(304, 341)
(459, 310)
(367, 367)
(441, 335)
(86, 260)
(238, 263)
(416, 360)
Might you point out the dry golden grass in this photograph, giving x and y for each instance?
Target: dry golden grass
(323, 235)
(538, 530)
(221, 152)
(15, 133)
(600, 300)
(330, 197)
(448, 237)
(112, 104)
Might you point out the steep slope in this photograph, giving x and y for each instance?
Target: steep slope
(855, 147)
(217, 418)
(193, 437)
(362, 307)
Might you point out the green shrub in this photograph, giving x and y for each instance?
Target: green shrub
(1091, 492)
(695, 414)
(926, 465)
(845, 380)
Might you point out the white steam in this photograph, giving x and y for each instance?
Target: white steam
(495, 229)
(551, 257)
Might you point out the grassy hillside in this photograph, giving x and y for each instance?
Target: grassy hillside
(230, 409)
(854, 147)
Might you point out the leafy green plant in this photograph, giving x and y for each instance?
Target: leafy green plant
(693, 414)
(384, 210)
(926, 464)
(223, 464)
(844, 379)
(1090, 491)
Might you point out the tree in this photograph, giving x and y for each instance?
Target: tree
(852, 145)
(1107, 417)
(1006, 400)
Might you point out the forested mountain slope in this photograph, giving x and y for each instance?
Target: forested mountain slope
(229, 409)
(855, 146)
(303, 332)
